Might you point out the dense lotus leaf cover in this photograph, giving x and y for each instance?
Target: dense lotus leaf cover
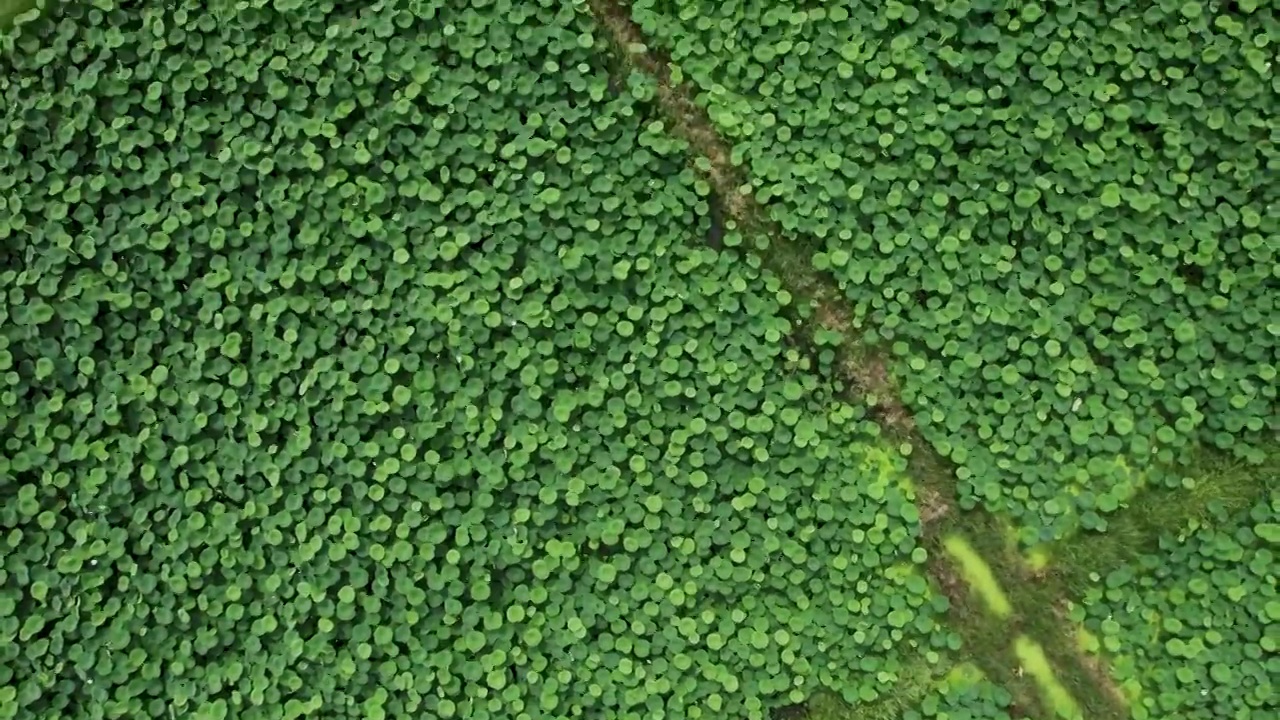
(365, 361)
(1062, 217)
(1193, 630)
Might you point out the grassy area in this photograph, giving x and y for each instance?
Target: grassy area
(978, 575)
(1034, 651)
(1213, 481)
(914, 684)
(1038, 591)
(927, 694)
(1035, 609)
(1031, 657)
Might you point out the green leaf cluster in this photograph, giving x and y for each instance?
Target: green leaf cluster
(979, 699)
(1192, 630)
(925, 692)
(1061, 217)
(363, 361)
(963, 695)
